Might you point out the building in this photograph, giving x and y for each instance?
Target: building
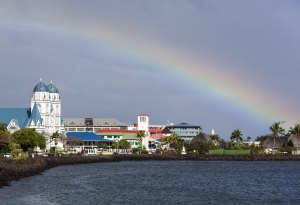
(93, 124)
(184, 130)
(117, 135)
(44, 114)
(89, 142)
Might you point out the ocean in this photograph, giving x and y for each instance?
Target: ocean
(161, 182)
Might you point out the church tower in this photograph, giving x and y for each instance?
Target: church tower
(46, 109)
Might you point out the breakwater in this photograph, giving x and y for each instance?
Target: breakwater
(12, 170)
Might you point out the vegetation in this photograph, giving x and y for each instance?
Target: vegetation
(215, 139)
(122, 144)
(236, 136)
(5, 139)
(276, 129)
(28, 138)
(295, 130)
(139, 136)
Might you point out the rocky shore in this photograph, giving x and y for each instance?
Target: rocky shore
(12, 170)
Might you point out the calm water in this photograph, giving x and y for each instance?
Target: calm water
(161, 182)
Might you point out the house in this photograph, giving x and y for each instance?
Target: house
(272, 144)
(84, 141)
(117, 135)
(185, 131)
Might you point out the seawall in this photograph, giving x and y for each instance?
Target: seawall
(12, 170)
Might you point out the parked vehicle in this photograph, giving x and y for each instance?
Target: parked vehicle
(7, 155)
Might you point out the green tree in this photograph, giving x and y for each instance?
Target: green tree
(5, 139)
(215, 139)
(236, 136)
(28, 138)
(5, 142)
(122, 144)
(276, 129)
(197, 145)
(170, 140)
(3, 127)
(139, 136)
(295, 130)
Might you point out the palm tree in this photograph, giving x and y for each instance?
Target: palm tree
(276, 129)
(295, 130)
(236, 135)
(139, 137)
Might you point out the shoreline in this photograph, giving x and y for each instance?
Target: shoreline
(13, 170)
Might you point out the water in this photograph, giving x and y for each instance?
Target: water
(161, 182)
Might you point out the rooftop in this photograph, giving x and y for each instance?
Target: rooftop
(86, 136)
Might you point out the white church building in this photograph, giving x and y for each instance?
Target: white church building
(44, 113)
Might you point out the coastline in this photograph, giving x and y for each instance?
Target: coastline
(13, 170)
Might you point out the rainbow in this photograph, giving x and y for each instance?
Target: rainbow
(230, 87)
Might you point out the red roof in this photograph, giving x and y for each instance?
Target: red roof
(143, 115)
(157, 136)
(155, 130)
(117, 131)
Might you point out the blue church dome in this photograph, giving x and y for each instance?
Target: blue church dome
(40, 87)
(52, 89)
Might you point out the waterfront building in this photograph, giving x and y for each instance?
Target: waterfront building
(184, 130)
(44, 114)
(117, 135)
(85, 141)
(93, 124)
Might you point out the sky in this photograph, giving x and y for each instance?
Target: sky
(224, 65)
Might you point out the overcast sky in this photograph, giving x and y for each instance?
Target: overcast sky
(219, 64)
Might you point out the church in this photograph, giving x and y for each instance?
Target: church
(44, 113)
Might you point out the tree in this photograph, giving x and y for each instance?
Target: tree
(295, 130)
(3, 127)
(199, 146)
(140, 135)
(215, 139)
(170, 140)
(5, 139)
(276, 129)
(236, 136)
(122, 144)
(28, 138)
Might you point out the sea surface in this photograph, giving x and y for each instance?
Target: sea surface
(160, 182)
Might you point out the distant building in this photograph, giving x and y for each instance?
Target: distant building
(93, 124)
(117, 135)
(184, 130)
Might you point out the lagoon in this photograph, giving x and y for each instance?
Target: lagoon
(161, 182)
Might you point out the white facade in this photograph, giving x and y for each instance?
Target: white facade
(46, 110)
(143, 125)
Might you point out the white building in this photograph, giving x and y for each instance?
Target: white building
(44, 113)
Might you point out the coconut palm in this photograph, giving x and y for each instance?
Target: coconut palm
(295, 130)
(236, 135)
(276, 129)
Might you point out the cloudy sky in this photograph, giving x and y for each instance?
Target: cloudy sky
(219, 64)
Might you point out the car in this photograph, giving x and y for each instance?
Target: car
(7, 155)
